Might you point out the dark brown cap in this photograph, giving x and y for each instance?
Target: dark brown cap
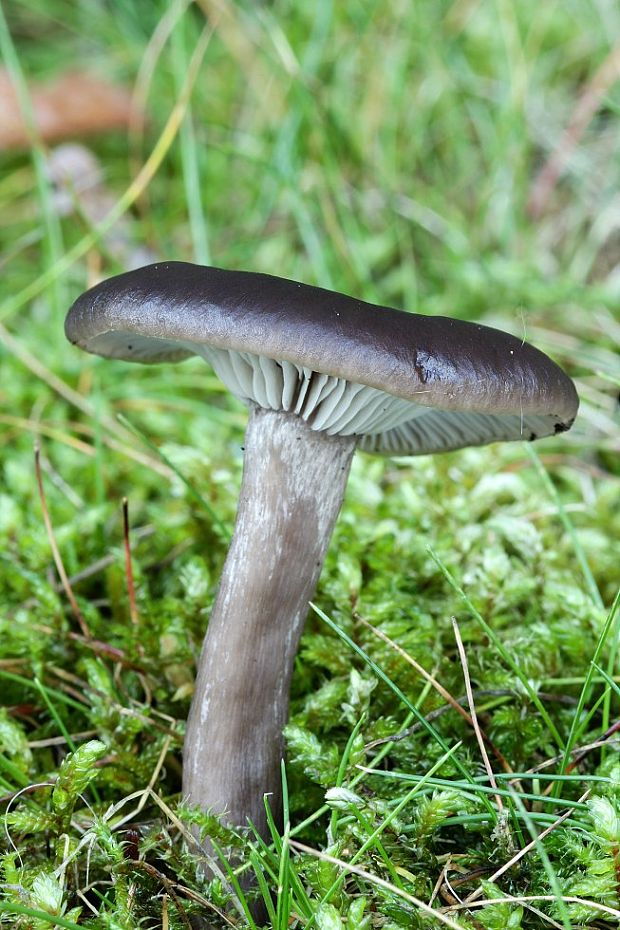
(442, 383)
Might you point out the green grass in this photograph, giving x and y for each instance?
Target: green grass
(388, 151)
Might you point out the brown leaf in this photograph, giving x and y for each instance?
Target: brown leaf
(73, 105)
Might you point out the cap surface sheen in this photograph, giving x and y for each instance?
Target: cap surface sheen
(467, 384)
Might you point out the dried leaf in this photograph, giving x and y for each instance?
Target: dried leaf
(73, 105)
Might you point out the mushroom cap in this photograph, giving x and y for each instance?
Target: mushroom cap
(417, 383)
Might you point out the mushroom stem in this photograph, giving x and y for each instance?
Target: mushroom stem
(292, 490)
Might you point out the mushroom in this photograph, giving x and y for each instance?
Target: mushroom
(322, 374)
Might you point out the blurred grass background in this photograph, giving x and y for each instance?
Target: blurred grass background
(457, 158)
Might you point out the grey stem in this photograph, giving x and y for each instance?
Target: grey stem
(293, 484)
